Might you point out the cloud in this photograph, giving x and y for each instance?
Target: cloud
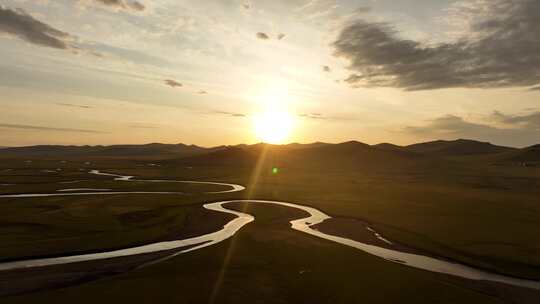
(363, 10)
(449, 124)
(202, 92)
(119, 4)
(125, 54)
(262, 36)
(73, 105)
(19, 24)
(172, 83)
(41, 128)
(137, 125)
(327, 69)
(281, 36)
(452, 127)
(525, 121)
(233, 114)
(320, 116)
(501, 48)
(246, 5)
(135, 5)
(313, 115)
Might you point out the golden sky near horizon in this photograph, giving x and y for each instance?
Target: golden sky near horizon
(227, 72)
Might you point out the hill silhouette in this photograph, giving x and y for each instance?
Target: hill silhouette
(529, 154)
(352, 154)
(319, 154)
(153, 150)
(457, 147)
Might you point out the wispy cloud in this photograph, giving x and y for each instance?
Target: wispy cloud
(43, 128)
(73, 105)
(137, 125)
(313, 115)
(233, 114)
(449, 124)
(500, 49)
(124, 54)
(529, 121)
(118, 4)
(173, 83)
(18, 23)
(136, 5)
(321, 116)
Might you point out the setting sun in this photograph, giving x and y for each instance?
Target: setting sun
(274, 126)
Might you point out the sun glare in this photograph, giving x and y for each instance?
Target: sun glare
(274, 119)
(273, 126)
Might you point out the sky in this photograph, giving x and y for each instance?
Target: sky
(210, 72)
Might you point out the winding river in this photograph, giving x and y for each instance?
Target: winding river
(304, 225)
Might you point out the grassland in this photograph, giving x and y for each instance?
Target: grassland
(479, 214)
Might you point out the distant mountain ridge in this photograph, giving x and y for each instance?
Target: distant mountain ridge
(146, 150)
(351, 151)
(457, 147)
(351, 154)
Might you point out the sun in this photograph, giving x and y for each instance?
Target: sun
(273, 126)
(274, 119)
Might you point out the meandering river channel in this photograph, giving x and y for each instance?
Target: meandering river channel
(304, 225)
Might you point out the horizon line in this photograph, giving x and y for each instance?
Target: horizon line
(271, 144)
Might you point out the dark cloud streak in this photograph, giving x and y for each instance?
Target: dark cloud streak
(233, 114)
(122, 5)
(73, 105)
(135, 5)
(262, 36)
(173, 83)
(501, 49)
(525, 121)
(42, 128)
(19, 24)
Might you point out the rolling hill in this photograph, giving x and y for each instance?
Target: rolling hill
(529, 154)
(318, 154)
(389, 147)
(460, 147)
(352, 154)
(154, 150)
